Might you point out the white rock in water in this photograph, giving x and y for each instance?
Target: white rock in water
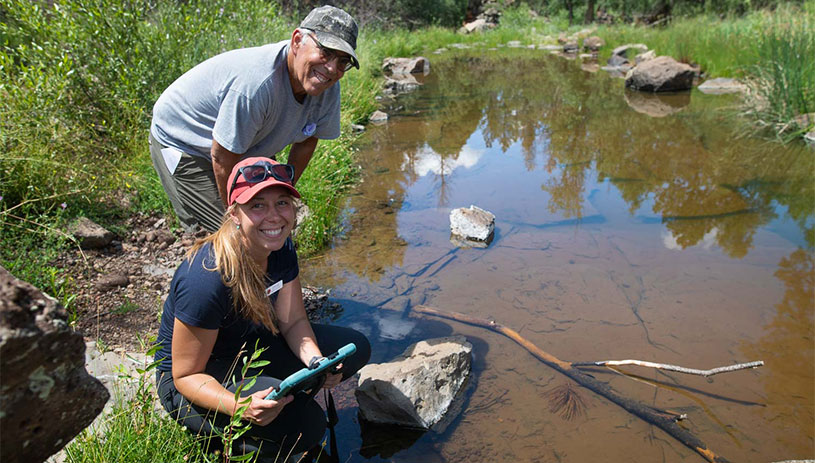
(378, 117)
(472, 223)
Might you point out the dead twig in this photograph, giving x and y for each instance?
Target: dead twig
(667, 367)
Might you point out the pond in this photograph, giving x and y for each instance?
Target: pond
(628, 226)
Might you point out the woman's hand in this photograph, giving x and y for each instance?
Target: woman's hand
(261, 411)
(332, 379)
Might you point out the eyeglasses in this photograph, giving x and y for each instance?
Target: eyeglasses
(344, 63)
(260, 171)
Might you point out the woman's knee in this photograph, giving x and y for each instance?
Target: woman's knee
(360, 358)
(331, 338)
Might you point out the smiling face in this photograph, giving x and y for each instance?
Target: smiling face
(309, 72)
(265, 221)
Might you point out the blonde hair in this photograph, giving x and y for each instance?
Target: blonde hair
(239, 273)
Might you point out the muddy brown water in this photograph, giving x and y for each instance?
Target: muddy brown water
(627, 227)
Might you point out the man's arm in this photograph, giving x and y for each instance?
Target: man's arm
(300, 154)
(223, 161)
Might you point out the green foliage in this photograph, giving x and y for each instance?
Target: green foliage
(78, 81)
(134, 432)
(29, 257)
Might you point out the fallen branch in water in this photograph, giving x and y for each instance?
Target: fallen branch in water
(664, 366)
(664, 421)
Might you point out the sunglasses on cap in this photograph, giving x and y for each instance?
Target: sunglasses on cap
(262, 170)
(344, 63)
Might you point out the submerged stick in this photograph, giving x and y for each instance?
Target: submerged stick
(663, 421)
(667, 367)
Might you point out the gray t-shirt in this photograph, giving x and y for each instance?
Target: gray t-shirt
(243, 100)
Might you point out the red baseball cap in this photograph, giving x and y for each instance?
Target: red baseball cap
(251, 175)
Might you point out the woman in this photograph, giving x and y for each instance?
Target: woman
(236, 289)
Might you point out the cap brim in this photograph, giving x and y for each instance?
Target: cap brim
(256, 188)
(336, 43)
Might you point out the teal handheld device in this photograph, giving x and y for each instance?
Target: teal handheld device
(302, 379)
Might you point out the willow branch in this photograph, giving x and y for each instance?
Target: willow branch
(663, 421)
(667, 367)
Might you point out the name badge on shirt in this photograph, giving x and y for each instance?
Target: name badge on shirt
(309, 129)
(274, 288)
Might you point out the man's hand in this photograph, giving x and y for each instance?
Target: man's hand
(300, 154)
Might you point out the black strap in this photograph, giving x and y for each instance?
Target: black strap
(318, 453)
(333, 419)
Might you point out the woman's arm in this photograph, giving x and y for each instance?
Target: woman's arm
(296, 329)
(191, 348)
(293, 322)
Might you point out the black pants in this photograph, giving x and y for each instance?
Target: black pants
(300, 426)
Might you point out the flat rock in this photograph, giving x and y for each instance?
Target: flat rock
(378, 117)
(89, 234)
(472, 224)
(479, 25)
(112, 281)
(622, 50)
(721, 85)
(397, 66)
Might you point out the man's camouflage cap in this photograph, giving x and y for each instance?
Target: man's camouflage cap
(335, 29)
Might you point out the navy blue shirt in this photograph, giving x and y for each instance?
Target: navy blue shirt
(199, 298)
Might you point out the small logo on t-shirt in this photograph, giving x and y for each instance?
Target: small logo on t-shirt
(309, 129)
(274, 288)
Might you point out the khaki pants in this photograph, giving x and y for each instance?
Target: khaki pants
(191, 189)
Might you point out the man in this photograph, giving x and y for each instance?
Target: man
(250, 102)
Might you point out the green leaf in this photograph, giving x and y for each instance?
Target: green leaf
(244, 457)
(251, 383)
(259, 364)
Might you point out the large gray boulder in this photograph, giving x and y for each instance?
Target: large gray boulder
(47, 396)
(417, 388)
(661, 74)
